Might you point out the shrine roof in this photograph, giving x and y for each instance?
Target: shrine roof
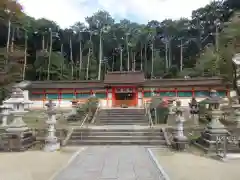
(124, 77)
(66, 84)
(130, 78)
(182, 82)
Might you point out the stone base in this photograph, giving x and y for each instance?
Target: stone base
(20, 140)
(180, 143)
(209, 137)
(52, 147)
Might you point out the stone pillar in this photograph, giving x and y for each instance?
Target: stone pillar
(51, 142)
(179, 140)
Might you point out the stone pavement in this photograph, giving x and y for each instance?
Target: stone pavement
(111, 163)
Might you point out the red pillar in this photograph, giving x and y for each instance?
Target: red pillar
(136, 96)
(59, 96)
(193, 92)
(113, 96)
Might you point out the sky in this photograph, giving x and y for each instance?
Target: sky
(67, 12)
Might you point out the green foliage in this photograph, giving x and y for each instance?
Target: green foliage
(135, 40)
(89, 107)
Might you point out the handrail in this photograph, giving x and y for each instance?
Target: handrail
(86, 117)
(149, 114)
(64, 142)
(95, 114)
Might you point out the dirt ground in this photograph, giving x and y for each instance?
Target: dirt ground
(188, 166)
(34, 165)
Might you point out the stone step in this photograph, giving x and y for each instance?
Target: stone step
(123, 109)
(121, 123)
(82, 133)
(122, 117)
(118, 137)
(122, 113)
(117, 142)
(122, 120)
(122, 130)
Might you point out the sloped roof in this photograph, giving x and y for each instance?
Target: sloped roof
(181, 82)
(66, 84)
(124, 77)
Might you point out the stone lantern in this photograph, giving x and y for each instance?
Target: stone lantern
(215, 113)
(17, 103)
(194, 111)
(215, 129)
(171, 113)
(236, 114)
(74, 106)
(51, 142)
(179, 140)
(4, 115)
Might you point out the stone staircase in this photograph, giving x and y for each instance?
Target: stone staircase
(119, 127)
(122, 116)
(114, 136)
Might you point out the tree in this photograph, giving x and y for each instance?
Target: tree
(152, 47)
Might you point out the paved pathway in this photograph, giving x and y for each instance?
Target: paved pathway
(111, 163)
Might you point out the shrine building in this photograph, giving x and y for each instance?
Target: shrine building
(117, 88)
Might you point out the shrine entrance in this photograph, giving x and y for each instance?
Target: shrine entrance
(124, 97)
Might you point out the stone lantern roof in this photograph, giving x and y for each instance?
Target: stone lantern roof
(17, 97)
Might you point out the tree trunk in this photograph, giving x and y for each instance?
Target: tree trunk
(80, 60)
(49, 56)
(43, 42)
(25, 56)
(89, 55)
(134, 62)
(145, 59)
(113, 59)
(12, 40)
(8, 39)
(71, 58)
(141, 54)
(62, 62)
(128, 54)
(100, 56)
